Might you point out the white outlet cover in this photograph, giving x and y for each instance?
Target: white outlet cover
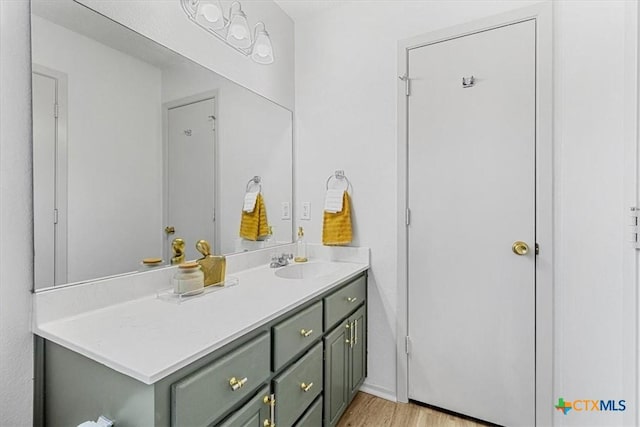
(306, 211)
(286, 211)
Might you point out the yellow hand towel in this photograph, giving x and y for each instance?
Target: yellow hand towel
(253, 225)
(336, 227)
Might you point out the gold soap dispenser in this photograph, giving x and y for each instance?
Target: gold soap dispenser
(213, 266)
(301, 247)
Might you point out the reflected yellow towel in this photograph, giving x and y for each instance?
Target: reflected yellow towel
(253, 225)
(336, 227)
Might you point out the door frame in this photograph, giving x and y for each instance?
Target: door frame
(542, 14)
(61, 173)
(181, 102)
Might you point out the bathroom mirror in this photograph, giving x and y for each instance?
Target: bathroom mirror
(136, 145)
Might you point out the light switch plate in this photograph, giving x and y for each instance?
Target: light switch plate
(286, 211)
(306, 211)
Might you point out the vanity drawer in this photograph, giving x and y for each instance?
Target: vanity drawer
(298, 386)
(313, 416)
(295, 334)
(340, 303)
(202, 397)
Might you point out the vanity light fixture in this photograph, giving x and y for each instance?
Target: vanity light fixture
(232, 29)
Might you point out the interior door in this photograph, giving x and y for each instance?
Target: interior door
(44, 179)
(191, 174)
(471, 192)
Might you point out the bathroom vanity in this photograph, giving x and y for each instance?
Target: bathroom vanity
(272, 350)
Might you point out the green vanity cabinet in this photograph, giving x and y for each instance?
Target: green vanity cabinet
(335, 373)
(313, 416)
(255, 413)
(345, 364)
(297, 387)
(300, 369)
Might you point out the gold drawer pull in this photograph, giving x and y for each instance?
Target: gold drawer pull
(306, 387)
(268, 423)
(237, 384)
(306, 333)
(352, 299)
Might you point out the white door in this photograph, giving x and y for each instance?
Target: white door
(190, 174)
(471, 171)
(44, 179)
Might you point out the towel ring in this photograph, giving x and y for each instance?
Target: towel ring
(340, 176)
(256, 180)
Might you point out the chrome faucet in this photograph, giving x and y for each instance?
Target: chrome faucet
(280, 260)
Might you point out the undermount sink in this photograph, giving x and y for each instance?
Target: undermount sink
(306, 271)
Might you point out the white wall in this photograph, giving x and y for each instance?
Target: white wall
(114, 152)
(346, 80)
(16, 228)
(254, 138)
(166, 23)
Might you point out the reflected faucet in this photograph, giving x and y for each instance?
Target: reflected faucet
(178, 251)
(280, 260)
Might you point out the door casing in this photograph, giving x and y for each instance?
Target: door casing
(542, 14)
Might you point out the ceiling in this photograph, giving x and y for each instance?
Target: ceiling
(302, 9)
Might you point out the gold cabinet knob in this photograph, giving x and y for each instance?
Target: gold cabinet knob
(352, 299)
(236, 384)
(267, 423)
(306, 387)
(520, 248)
(306, 333)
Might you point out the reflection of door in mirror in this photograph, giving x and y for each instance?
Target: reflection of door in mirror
(190, 174)
(49, 177)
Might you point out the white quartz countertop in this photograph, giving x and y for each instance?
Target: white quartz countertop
(148, 338)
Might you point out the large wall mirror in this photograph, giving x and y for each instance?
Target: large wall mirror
(135, 145)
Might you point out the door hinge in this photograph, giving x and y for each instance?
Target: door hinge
(55, 216)
(407, 217)
(407, 344)
(56, 110)
(537, 249)
(405, 79)
(634, 234)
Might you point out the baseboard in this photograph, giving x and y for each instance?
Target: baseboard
(379, 391)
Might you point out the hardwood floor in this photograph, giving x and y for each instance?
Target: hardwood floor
(371, 411)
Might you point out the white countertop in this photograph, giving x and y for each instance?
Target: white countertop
(148, 338)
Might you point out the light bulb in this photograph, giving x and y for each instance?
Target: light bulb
(211, 13)
(238, 34)
(262, 52)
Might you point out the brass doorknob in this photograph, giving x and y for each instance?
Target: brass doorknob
(520, 248)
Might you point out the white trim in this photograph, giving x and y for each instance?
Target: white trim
(629, 254)
(379, 391)
(62, 171)
(211, 94)
(542, 13)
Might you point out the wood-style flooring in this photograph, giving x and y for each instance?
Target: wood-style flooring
(371, 411)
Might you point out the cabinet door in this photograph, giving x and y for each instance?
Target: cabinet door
(357, 351)
(336, 348)
(255, 413)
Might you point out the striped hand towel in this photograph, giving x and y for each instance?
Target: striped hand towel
(336, 227)
(253, 225)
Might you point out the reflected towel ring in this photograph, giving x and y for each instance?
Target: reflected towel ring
(340, 176)
(256, 180)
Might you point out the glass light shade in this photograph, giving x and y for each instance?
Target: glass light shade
(262, 52)
(238, 34)
(210, 15)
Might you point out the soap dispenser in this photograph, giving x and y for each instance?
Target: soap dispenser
(213, 266)
(301, 247)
